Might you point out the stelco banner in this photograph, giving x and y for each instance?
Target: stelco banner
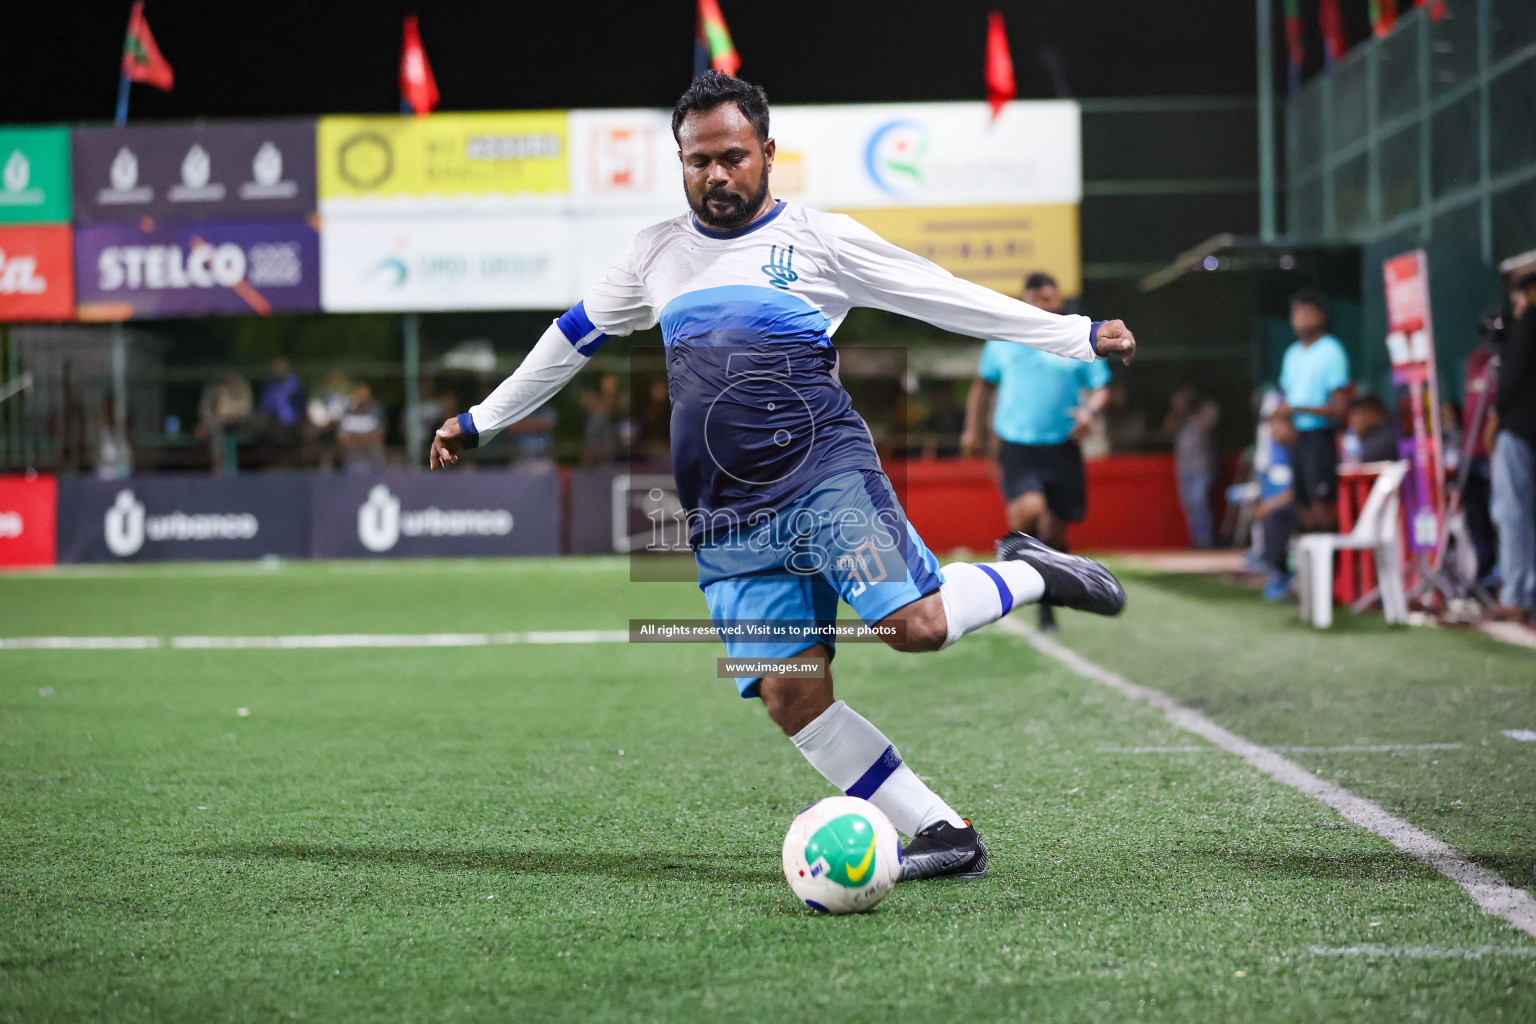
(404, 513)
(37, 273)
(455, 158)
(228, 170)
(175, 517)
(34, 175)
(176, 269)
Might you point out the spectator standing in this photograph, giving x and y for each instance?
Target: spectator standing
(360, 434)
(225, 405)
(1192, 422)
(1314, 377)
(1514, 458)
(1476, 491)
(282, 398)
(1044, 405)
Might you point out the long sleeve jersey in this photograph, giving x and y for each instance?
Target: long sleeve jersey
(747, 316)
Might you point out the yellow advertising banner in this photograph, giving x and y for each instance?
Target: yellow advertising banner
(474, 155)
(996, 246)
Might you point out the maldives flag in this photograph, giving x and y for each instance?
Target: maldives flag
(141, 57)
(1436, 8)
(418, 89)
(1383, 16)
(714, 39)
(1000, 84)
(1331, 20)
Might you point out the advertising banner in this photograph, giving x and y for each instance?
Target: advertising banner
(178, 269)
(626, 160)
(478, 158)
(495, 261)
(28, 507)
(34, 176)
(255, 169)
(409, 513)
(1411, 345)
(37, 273)
(930, 154)
(183, 517)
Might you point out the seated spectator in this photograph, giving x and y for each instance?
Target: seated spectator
(533, 438)
(1276, 511)
(1192, 422)
(360, 434)
(282, 399)
(327, 408)
(600, 440)
(1368, 421)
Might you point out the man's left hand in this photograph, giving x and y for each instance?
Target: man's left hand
(1115, 339)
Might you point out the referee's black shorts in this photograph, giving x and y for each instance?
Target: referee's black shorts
(1054, 470)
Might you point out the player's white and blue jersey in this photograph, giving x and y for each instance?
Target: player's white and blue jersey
(759, 418)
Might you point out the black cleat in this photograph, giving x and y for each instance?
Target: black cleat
(1071, 581)
(1047, 616)
(944, 851)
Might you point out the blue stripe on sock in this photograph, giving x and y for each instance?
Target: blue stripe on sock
(1003, 592)
(877, 774)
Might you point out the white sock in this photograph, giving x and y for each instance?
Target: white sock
(975, 595)
(858, 759)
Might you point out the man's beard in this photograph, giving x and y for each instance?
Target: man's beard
(742, 210)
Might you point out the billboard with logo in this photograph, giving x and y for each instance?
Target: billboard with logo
(625, 160)
(27, 511)
(37, 273)
(479, 158)
(406, 513)
(218, 267)
(214, 170)
(496, 261)
(34, 176)
(152, 518)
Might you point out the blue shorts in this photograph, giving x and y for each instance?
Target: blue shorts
(846, 538)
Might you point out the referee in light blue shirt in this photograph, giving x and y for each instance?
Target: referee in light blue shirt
(1314, 377)
(1041, 406)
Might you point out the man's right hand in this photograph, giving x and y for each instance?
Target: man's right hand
(1115, 339)
(446, 444)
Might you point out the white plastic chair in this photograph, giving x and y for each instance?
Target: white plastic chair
(1375, 531)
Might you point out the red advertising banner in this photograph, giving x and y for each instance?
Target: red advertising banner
(37, 275)
(1411, 345)
(28, 518)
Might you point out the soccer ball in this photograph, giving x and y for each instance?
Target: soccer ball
(842, 855)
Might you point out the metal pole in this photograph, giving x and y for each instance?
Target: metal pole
(415, 436)
(120, 379)
(1266, 59)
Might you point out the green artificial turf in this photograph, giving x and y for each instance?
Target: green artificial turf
(591, 832)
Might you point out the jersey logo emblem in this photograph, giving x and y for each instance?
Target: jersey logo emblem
(778, 268)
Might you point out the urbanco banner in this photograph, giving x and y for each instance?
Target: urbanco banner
(214, 267)
(34, 175)
(400, 513)
(152, 518)
(206, 170)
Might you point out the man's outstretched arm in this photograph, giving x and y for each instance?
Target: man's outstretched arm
(562, 351)
(885, 276)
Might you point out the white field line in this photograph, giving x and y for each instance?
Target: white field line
(312, 641)
(1350, 748)
(1488, 891)
(1525, 735)
(1424, 952)
(77, 643)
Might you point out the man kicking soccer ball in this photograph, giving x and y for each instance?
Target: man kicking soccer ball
(787, 507)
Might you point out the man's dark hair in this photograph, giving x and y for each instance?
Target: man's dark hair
(1369, 402)
(1039, 279)
(1310, 297)
(716, 88)
(1525, 281)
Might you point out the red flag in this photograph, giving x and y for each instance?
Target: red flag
(418, 89)
(1383, 16)
(142, 61)
(1000, 85)
(715, 39)
(1331, 20)
(1436, 8)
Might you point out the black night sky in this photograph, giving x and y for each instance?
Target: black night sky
(282, 57)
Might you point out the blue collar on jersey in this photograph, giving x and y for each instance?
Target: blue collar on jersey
(778, 208)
